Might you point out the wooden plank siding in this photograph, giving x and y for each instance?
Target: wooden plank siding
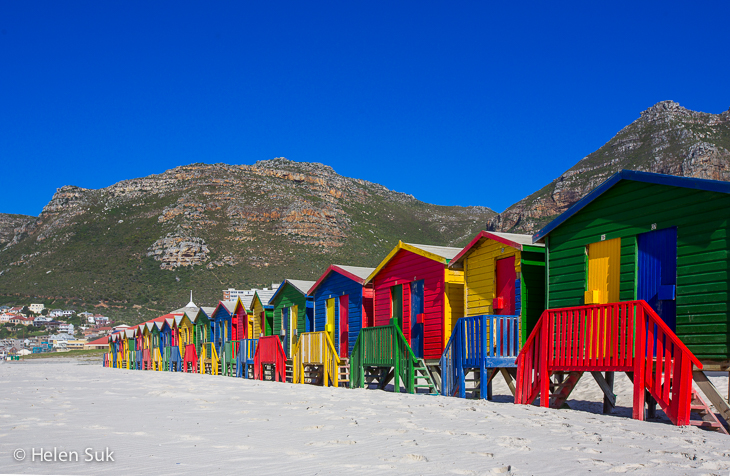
(630, 208)
(404, 268)
(479, 277)
(289, 297)
(336, 285)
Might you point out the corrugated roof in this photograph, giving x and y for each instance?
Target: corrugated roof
(300, 285)
(230, 306)
(446, 252)
(265, 295)
(247, 300)
(208, 310)
(510, 239)
(358, 271)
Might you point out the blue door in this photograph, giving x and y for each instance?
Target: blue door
(657, 278)
(285, 326)
(416, 309)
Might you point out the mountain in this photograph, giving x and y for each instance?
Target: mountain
(8, 224)
(138, 246)
(667, 139)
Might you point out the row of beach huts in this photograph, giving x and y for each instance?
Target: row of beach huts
(632, 278)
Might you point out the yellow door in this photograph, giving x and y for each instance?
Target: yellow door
(293, 315)
(604, 263)
(330, 326)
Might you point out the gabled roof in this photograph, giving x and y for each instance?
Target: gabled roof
(510, 239)
(356, 273)
(264, 296)
(247, 300)
(298, 284)
(635, 176)
(442, 254)
(229, 306)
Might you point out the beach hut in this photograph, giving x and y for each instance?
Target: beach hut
(637, 281)
(156, 344)
(208, 361)
(145, 331)
(343, 304)
(186, 340)
(230, 324)
(415, 298)
(293, 311)
(263, 313)
(504, 296)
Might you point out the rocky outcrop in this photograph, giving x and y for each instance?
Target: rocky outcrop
(666, 138)
(174, 251)
(9, 224)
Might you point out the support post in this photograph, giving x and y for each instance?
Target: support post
(609, 404)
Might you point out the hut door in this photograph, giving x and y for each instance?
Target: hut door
(396, 305)
(285, 328)
(657, 278)
(416, 310)
(344, 324)
(504, 303)
(604, 261)
(293, 316)
(329, 325)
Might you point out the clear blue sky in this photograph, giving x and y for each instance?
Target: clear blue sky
(457, 103)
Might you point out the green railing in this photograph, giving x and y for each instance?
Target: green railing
(383, 346)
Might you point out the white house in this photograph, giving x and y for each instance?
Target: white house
(36, 308)
(66, 328)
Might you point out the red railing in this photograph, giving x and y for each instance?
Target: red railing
(269, 351)
(190, 358)
(625, 337)
(146, 359)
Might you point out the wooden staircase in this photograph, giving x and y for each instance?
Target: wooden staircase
(315, 360)
(707, 418)
(479, 348)
(343, 372)
(382, 354)
(625, 337)
(422, 373)
(270, 361)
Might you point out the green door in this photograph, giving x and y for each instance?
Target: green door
(396, 305)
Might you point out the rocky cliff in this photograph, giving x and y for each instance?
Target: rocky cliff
(8, 224)
(666, 138)
(146, 241)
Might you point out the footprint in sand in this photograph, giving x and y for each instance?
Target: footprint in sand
(514, 442)
(409, 458)
(626, 467)
(332, 443)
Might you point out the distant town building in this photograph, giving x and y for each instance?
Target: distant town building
(41, 321)
(66, 328)
(231, 294)
(36, 308)
(61, 313)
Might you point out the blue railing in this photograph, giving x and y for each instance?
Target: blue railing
(479, 342)
(246, 351)
(176, 360)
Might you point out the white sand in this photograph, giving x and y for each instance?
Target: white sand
(168, 423)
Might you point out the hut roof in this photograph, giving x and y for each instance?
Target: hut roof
(442, 254)
(510, 239)
(356, 273)
(633, 175)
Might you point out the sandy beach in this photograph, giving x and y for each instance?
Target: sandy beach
(173, 423)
